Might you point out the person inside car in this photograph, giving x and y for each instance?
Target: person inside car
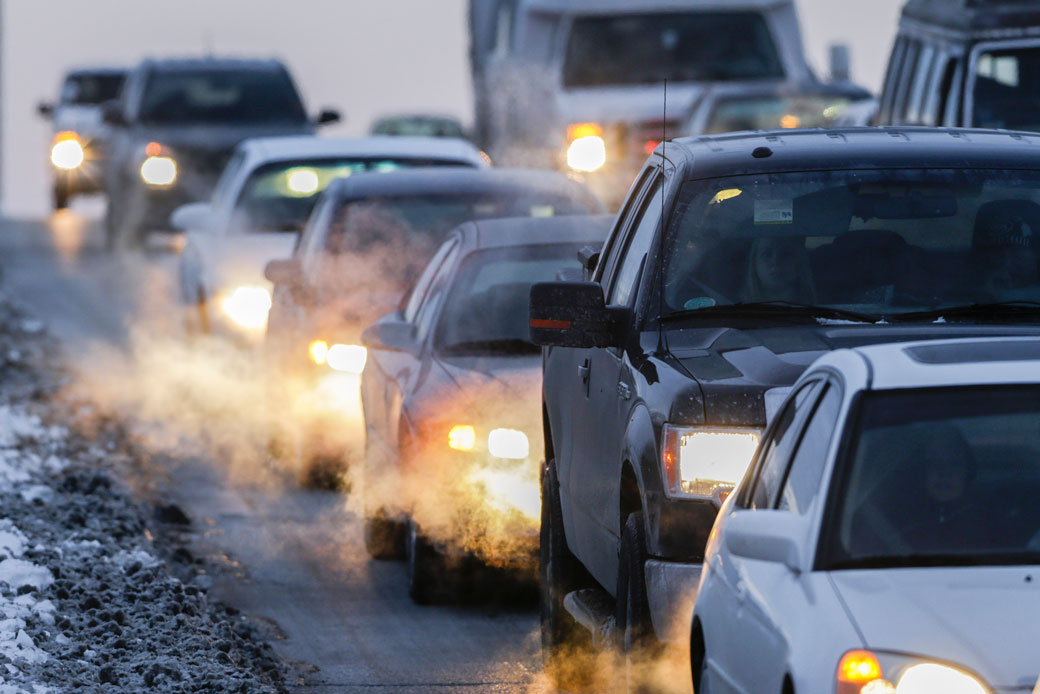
(1005, 247)
(778, 270)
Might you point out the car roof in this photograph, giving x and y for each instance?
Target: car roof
(444, 180)
(531, 231)
(211, 63)
(99, 70)
(982, 18)
(821, 149)
(268, 149)
(779, 88)
(956, 362)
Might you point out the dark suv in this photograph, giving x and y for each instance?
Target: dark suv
(965, 63)
(736, 261)
(176, 124)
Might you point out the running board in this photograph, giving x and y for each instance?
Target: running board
(593, 609)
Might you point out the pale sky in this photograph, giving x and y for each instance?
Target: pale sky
(365, 57)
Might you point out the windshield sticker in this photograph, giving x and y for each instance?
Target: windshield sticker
(774, 211)
(699, 302)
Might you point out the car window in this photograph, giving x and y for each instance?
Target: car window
(313, 237)
(938, 92)
(422, 285)
(222, 192)
(806, 470)
(777, 449)
(427, 313)
(906, 81)
(1005, 83)
(895, 62)
(623, 287)
(613, 242)
(920, 80)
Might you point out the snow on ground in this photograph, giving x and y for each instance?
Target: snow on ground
(88, 603)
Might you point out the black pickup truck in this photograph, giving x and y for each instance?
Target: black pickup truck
(735, 262)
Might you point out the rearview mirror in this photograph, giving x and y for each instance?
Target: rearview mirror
(112, 113)
(840, 61)
(573, 314)
(44, 109)
(765, 535)
(328, 115)
(391, 333)
(195, 216)
(285, 273)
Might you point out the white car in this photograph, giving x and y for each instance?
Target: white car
(887, 536)
(259, 206)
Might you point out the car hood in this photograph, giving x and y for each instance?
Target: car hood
(213, 138)
(986, 619)
(746, 373)
(504, 388)
(633, 104)
(239, 259)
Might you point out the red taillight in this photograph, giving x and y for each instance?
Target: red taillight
(649, 146)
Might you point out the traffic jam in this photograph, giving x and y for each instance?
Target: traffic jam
(674, 366)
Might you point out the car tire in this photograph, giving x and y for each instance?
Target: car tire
(567, 652)
(384, 538)
(637, 640)
(425, 567)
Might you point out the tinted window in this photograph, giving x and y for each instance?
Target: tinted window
(675, 46)
(803, 477)
(939, 477)
(221, 96)
(422, 285)
(1006, 84)
(777, 450)
(773, 112)
(642, 237)
(89, 89)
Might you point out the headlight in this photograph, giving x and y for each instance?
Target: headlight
(701, 462)
(587, 150)
(508, 443)
(869, 672)
(67, 152)
(462, 437)
(347, 358)
(302, 182)
(318, 351)
(159, 168)
(247, 307)
(516, 489)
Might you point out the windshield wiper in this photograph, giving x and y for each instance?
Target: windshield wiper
(997, 309)
(505, 346)
(776, 309)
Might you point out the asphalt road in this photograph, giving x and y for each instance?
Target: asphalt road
(293, 557)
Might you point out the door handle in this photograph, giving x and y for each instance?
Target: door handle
(583, 374)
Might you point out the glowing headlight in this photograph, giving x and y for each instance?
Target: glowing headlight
(67, 152)
(867, 672)
(462, 437)
(587, 153)
(302, 182)
(247, 307)
(347, 358)
(508, 443)
(318, 351)
(510, 490)
(699, 462)
(159, 170)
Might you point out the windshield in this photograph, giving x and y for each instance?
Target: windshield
(281, 195)
(221, 96)
(678, 46)
(1006, 86)
(487, 309)
(940, 476)
(418, 126)
(772, 112)
(91, 88)
(880, 243)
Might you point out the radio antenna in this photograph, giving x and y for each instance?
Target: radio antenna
(660, 233)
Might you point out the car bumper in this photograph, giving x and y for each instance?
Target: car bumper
(671, 589)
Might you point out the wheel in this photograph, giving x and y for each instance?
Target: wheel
(426, 572)
(60, 195)
(384, 538)
(566, 646)
(639, 644)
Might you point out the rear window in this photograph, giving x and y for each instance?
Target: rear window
(221, 96)
(678, 46)
(91, 88)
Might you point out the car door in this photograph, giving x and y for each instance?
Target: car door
(729, 621)
(595, 473)
(774, 594)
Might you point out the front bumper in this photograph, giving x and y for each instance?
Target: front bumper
(671, 589)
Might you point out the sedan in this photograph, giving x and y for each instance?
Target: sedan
(887, 536)
(258, 208)
(451, 397)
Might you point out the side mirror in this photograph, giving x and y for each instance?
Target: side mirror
(765, 535)
(573, 314)
(195, 216)
(391, 333)
(44, 109)
(840, 63)
(588, 256)
(112, 113)
(328, 115)
(286, 273)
